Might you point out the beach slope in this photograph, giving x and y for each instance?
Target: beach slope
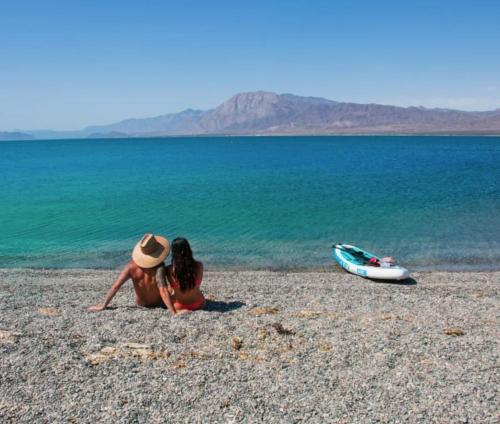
(271, 347)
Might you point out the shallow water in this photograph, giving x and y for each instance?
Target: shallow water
(252, 202)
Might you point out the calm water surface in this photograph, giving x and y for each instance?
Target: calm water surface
(252, 202)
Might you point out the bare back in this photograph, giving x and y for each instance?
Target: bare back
(146, 289)
(190, 296)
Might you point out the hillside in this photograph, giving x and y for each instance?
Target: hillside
(5, 136)
(270, 113)
(266, 113)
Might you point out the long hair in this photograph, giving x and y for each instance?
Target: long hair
(183, 263)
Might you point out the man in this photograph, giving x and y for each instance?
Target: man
(147, 260)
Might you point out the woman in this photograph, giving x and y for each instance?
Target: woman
(184, 277)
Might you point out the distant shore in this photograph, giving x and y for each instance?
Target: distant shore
(223, 135)
(270, 347)
(267, 113)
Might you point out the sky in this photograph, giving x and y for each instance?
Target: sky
(68, 64)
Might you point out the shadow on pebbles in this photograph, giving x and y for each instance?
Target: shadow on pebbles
(271, 347)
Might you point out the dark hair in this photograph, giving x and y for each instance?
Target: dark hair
(183, 263)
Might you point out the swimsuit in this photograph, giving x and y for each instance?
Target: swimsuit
(197, 304)
(192, 306)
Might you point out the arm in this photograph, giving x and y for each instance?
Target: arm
(124, 276)
(199, 274)
(170, 277)
(162, 286)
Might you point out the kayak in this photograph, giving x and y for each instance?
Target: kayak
(355, 260)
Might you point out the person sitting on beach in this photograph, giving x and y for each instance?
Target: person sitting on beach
(184, 277)
(147, 258)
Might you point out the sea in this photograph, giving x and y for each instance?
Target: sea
(252, 202)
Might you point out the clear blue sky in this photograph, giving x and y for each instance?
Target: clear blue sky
(67, 64)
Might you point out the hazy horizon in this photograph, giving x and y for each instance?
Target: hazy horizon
(66, 66)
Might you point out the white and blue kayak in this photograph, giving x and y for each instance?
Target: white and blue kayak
(356, 261)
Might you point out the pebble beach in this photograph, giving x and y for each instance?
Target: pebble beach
(273, 347)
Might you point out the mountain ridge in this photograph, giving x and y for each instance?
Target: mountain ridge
(268, 113)
(14, 136)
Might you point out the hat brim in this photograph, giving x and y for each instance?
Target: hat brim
(153, 259)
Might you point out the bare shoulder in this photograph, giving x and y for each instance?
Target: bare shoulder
(134, 270)
(131, 266)
(199, 267)
(128, 268)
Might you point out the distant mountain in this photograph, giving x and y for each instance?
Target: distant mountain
(5, 136)
(112, 134)
(56, 135)
(264, 113)
(174, 123)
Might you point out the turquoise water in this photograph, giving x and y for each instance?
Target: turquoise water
(252, 202)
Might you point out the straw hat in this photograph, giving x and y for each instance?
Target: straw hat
(150, 251)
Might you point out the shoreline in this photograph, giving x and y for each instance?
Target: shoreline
(269, 346)
(333, 268)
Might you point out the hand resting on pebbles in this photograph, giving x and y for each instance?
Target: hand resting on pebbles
(176, 286)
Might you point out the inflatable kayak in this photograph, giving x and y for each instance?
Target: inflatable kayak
(356, 261)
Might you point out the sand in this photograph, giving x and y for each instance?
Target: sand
(271, 347)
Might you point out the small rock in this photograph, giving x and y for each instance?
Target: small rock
(262, 334)
(244, 355)
(50, 312)
(282, 330)
(324, 346)
(108, 350)
(131, 345)
(263, 310)
(454, 331)
(307, 314)
(236, 343)
(8, 336)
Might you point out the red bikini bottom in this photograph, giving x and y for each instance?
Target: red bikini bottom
(192, 306)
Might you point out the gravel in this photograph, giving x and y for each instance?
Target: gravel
(271, 347)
